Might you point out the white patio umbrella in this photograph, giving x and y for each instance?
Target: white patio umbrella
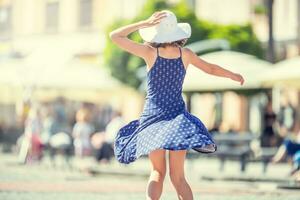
(249, 66)
(285, 73)
(74, 74)
(73, 79)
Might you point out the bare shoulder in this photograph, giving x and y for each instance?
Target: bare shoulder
(151, 51)
(187, 55)
(187, 52)
(150, 57)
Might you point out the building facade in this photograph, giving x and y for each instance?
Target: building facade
(26, 25)
(286, 20)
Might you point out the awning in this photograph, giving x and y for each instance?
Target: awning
(249, 66)
(285, 73)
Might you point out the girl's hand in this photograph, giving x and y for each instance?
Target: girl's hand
(238, 78)
(155, 18)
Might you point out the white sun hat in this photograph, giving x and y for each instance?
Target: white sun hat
(168, 30)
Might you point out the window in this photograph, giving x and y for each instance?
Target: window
(85, 13)
(5, 19)
(52, 15)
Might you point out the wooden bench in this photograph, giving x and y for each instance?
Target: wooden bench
(265, 156)
(234, 146)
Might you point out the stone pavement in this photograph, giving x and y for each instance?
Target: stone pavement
(116, 181)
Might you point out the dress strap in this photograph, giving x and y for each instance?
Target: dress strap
(180, 51)
(157, 51)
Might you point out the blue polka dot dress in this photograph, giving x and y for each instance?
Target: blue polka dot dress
(164, 123)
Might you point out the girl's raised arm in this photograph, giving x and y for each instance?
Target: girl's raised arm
(119, 36)
(212, 69)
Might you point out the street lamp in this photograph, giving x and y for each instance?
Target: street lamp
(271, 52)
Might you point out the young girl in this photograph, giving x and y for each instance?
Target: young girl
(164, 124)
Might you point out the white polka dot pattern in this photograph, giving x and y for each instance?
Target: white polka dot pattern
(164, 123)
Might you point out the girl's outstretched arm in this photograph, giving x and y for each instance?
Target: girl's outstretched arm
(212, 69)
(119, 36)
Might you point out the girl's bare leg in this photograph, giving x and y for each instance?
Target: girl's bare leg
(158, 172)
(177, 177)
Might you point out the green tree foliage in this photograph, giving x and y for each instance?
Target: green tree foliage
(123, 65)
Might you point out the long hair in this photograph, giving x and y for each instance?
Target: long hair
(178, 43)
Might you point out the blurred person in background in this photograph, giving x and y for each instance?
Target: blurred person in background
(112, 128)
(286, 118)
(82, 132)
(55, 140)
(30, 142)
(269, 137)
(104, 141)
(59, 107)
(24, 108)
(60, 143)
(52, 124)
(48, 121)
(290, 150)
(61, 122)
(102, 116)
